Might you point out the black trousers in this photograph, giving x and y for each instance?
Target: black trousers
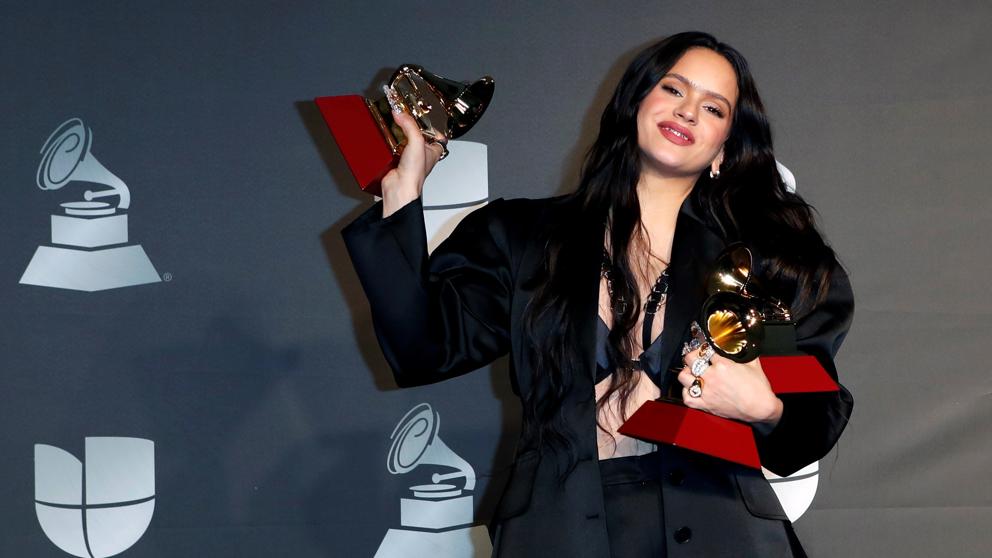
(634, 516)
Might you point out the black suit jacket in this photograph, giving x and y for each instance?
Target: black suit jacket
(440, 316)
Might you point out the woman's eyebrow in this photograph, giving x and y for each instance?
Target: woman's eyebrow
(688, 82)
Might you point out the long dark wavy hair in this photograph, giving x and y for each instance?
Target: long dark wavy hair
(748, 203)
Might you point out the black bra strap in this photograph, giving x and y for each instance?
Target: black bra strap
(655, 299)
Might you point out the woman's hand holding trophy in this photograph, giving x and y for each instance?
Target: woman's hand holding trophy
(392, 142)
(405, 183)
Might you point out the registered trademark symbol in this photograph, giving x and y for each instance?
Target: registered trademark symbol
(167, 277)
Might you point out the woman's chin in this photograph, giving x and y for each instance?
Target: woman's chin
(669, 168)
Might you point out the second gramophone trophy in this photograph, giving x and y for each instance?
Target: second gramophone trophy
(739, 323)
(372, 143)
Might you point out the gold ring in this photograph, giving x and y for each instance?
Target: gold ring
(706, 352)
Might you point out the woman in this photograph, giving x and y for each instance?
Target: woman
(592, 295)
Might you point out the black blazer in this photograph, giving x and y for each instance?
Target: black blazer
(440, 316)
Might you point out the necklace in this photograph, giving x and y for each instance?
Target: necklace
(657, 296)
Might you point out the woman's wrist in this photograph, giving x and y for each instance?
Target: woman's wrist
(394, 201)
(770, 413)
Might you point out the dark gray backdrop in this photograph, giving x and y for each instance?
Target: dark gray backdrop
(254, 369)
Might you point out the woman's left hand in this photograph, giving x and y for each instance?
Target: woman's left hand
(732, 390)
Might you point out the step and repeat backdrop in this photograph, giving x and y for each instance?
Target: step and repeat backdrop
(187, 364)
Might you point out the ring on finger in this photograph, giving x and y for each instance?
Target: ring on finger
(699, 367)
(442, 144)
(690, 346)
(696, 389)
(706, 352)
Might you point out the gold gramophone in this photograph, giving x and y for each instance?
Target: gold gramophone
(441, 106)
(372, 142)
(738, 320)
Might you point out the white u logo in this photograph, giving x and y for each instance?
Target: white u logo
(100, 509)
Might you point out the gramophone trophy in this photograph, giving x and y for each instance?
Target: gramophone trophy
(742, 323)
(739, 323)
(737, 320)
(436, 520)
(372, 143)
(90, 250)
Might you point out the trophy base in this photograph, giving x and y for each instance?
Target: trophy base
(796, 374)
(692, 429)
(360, 139)
(89, 270)
(467, 542)
(780, 338)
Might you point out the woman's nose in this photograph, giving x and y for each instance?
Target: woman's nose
(686, 112)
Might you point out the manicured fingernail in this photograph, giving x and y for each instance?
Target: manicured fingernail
(393, 99)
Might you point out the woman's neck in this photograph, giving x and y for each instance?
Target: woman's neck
(660, 197)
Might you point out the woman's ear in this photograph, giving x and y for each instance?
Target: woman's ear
(715, 165)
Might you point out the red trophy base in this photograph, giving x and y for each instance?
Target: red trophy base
(678, 425)
(360, 138)
(730, 440)
(796, 374)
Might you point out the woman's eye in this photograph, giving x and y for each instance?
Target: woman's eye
(671, 90)
(716, 111)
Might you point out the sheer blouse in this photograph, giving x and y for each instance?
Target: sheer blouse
(609, 418)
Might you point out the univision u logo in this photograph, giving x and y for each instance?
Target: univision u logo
(100, 509)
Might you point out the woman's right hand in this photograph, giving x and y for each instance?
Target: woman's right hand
(405, 183)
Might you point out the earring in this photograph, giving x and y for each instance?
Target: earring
(714, 174)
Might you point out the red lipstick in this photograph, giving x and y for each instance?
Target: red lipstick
(676, 134)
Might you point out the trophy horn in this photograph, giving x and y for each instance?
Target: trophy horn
(452, 107)
(66, 157)
(735, 315)
(733, 326)
(416, 442)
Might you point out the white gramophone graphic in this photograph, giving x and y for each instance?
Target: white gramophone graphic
(436, 522)
(89, 249)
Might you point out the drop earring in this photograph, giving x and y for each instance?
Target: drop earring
(715, 165)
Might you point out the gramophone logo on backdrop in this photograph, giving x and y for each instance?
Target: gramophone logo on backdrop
(90, 250)
(100, 509)
(436, 519)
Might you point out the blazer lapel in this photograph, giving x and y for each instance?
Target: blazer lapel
(694, 249)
